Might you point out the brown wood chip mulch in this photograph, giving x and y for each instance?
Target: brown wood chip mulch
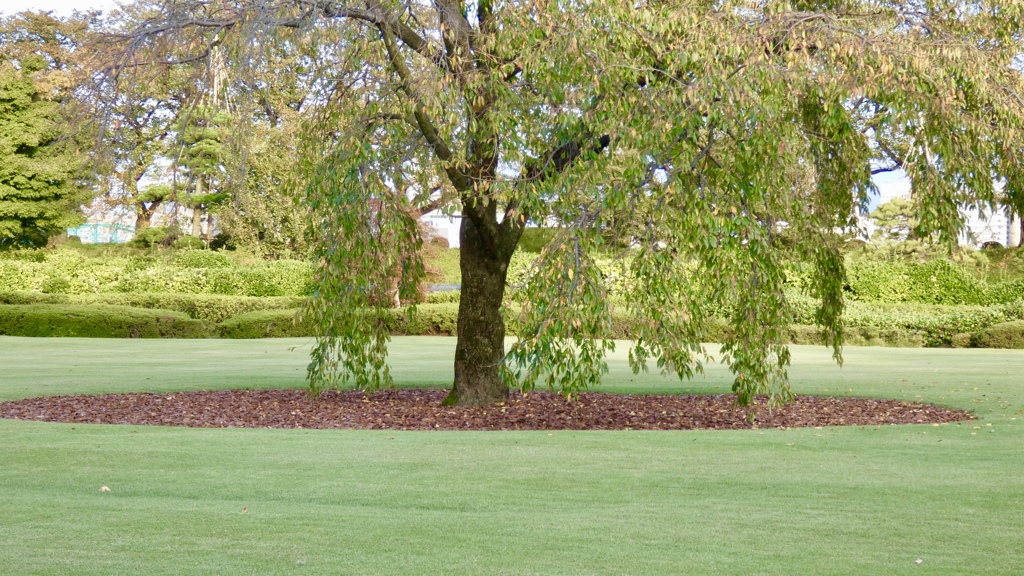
(422, 410)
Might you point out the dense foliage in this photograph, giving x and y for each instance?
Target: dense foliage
(189, 272)
(99, 321)
(211, 307)
(724, 140)
(1005, 335)
(39, 191)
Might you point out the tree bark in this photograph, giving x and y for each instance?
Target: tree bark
(144, 216)
(481, 328)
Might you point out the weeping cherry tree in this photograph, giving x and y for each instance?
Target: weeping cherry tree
(697, 133)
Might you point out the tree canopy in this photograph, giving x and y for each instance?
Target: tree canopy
(694, 132)
(40, 164)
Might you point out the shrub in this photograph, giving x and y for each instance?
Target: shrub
(24, 254)
(278, 278)
(446, 297)
(189, 243)
(425, 319)
(153, 236)
(285, 323)
(614, 270)
(859, 336)
(18, 275)
(444, 266)
(211, 307)
(1006, 292)
(943, 282)
(875, 281)
(941, 329)
(1004, 335)
(201, 259)
(56, 284)
(99, 321)
(962, 340)
(223, 241)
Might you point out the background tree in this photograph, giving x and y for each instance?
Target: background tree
(203, 151)
(712, 125)
(137, 146)
(268, 216)
(42, 181)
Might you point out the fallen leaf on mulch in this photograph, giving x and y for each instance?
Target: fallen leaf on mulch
(422, 410)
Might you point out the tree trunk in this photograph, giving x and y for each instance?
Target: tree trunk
(144, 216)
(481, 328)
(197, 222)
(141, 222)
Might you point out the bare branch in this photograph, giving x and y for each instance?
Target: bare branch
(461, 181)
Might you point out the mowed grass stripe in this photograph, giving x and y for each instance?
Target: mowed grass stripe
(827, 501)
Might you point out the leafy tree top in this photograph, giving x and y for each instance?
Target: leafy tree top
(39, 192)
(694, 130)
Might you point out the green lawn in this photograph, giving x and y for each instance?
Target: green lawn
(818, 501)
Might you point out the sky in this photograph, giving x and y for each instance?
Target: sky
(889, 185)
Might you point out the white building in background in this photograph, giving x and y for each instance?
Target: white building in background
(991, 227)
(983, 226)
(444, 226)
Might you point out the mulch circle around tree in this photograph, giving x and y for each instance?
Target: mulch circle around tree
(401, 409)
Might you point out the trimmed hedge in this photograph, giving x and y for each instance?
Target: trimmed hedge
(909, 325)
(212, 307)
(860, 336)
(874, 324)
(446, 297)
(938, 324)
(100, 321)
(1005, 335)
(934, 282)
(426, 319)
(534, 240)
(194, 272)
(284, 323)
(201, 259)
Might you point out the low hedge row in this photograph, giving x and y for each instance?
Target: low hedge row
(446, 297)
(870, 324)
(871, 281)
(426, 319)
(938, 324)
(100, 321)
(932, 282)
(1005, 335)
(69, 273)
(212, 307)
(280, 323)
(913, 327)
(107, 321)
